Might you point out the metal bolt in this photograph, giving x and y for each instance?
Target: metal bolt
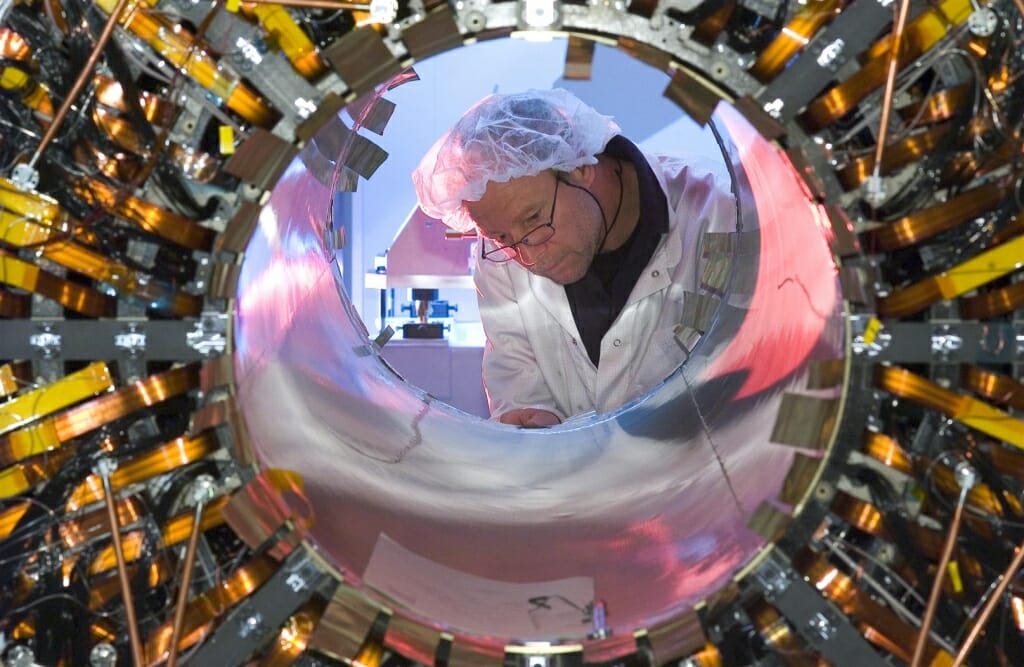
(966, 476)
(103, 655)
(105, 466)
(250, 625)
(20, 656)
(203, 488)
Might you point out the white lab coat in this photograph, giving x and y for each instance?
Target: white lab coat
(534, 356)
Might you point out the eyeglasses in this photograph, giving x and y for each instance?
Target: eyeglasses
(535, 237)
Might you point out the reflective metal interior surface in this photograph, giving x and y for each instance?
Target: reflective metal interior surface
(505, 533)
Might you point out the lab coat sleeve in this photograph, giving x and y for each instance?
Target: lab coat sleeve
(511, 374)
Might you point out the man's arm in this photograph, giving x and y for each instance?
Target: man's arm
(516, 390)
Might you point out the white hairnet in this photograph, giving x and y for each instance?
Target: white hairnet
(503, 137)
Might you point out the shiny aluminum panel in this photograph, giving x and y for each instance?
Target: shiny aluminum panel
(507, 534)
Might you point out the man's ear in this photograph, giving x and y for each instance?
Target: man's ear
(580, 176)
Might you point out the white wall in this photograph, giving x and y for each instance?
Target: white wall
(449, 83)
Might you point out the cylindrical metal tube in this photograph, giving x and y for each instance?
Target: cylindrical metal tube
(186, 580)
(317, 4)
(993, 601)
(122, 570)
(890, 81)
(933, 599)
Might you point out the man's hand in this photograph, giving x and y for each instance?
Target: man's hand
(530, 418)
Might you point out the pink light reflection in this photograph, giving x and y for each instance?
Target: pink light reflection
(791, 299)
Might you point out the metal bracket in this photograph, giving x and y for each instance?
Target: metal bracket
(822, 626)
(253, 623)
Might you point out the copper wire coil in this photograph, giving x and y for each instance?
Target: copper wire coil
(989, 265)
(17, 479)
(15, 376)
(1011, 230)
(1000, 388)
(938, 106)
(205, 608)
(162, 459)
(936, 219)
(971, 412)
(123, 167)
(10, 517)
(711, 27)
(29, 277)
(13, 304)
(897, 155)
(94, 524)
(1007, 461)
(843, 98)
(13, 45)
(993, 303)
(175, 531)
(778, 634)
(121, 131)
(293, 639)
(981, 497)
(52, 432)
(103, 590)
(807, 20)
(884, 448)
(880, 625)
(163, 223)
(859, 514)
(109, 93)
(920, 35)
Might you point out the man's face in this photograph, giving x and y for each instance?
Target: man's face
(509, 211)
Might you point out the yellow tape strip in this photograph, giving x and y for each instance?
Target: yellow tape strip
(80, 385)
(954, 576)
(970, 411)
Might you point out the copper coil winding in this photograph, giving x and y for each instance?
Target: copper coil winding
(933, 220)
(13, 45)
(51, 433)
(897, 155)
(921, 34)
(14, 305)
(994, 303)
(884, 448)
(109, 93)
(860, 514)
(205, 608)
(1000, 388)
(955, 281)
(102, 591)
(711, 27)
(29, 277)
(18, 479)
(879, 624)
(1014, 228)
(162, 459)
(175, 531)
(981, 497)
(293, 639)
(805, 23)
(778, 634)
(1007, 461)
(965, 409)
(938, 106)
(14, 376)
(76, 531)
(153, 219)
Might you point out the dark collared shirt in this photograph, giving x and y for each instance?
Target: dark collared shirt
(599, 296)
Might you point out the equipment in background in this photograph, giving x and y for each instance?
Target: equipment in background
(426, 305)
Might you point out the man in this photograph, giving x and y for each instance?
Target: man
(587, 249)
